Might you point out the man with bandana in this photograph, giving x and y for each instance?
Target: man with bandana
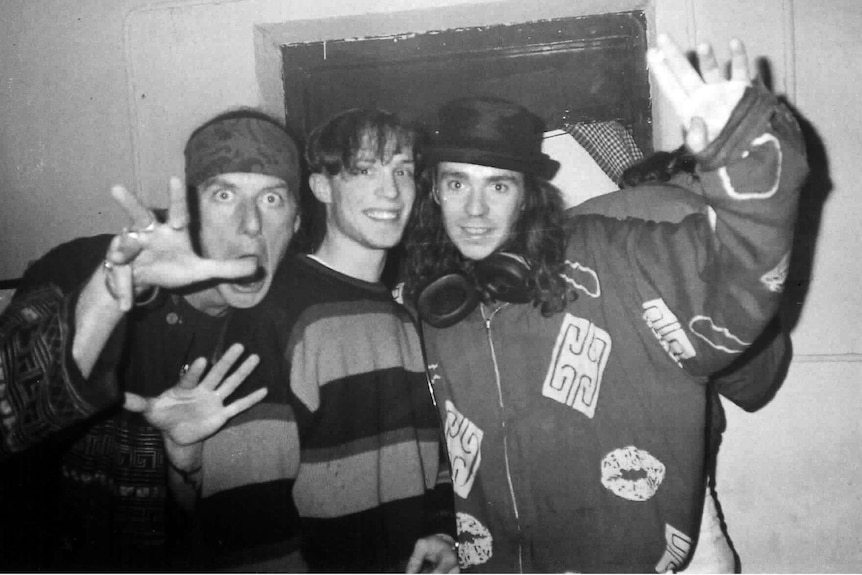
(83, 478)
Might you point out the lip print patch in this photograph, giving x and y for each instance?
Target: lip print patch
(719, 338)
(464, 442)
(583, 279)
(632, 473)
(581, 353)
(678, 547)
(668, 330)
(753, 174)
(475, 544)
(775, 278)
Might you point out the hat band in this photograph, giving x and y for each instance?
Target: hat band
(540, 165)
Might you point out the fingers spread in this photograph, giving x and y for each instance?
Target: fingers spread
(178, 213)
(241, 405)
(708, 64)
(739, 70)
(224, 269)
(192, 374)
(134, 402)
(222, 366)
(667, 82)
(238, 376)
(697, 136)
(141, 217)
(679, 65)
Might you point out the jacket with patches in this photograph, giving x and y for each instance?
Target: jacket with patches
(577, 442)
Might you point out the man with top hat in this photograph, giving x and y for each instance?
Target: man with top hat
(569, 359)
(137, 313)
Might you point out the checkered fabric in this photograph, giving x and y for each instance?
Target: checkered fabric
(609, 144)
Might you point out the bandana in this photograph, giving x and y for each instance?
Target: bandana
(249, 145)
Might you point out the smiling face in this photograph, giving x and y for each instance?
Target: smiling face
(246, 215)
(368, 203)
(480, 206)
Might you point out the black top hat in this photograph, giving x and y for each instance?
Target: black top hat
(491, 132)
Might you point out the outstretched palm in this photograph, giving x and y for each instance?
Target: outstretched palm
(190, 411)
(705, 101)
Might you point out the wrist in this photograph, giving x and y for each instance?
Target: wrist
(183, 458)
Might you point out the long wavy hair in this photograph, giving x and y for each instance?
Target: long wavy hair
(538, 236)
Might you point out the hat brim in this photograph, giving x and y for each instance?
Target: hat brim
(542, 165)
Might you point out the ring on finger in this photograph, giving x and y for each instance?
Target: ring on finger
(108, 265)
(150, 227)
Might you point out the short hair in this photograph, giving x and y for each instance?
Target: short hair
(335, 144)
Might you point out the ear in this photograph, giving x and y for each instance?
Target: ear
(319, 184)
(296, 223)
(435, 195)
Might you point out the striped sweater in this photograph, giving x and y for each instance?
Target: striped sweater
(343, 454)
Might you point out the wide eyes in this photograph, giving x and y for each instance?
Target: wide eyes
(273, 199)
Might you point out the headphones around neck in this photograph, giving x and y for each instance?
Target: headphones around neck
(448, 299)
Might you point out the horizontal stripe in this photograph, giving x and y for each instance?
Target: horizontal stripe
(363, 481)
(366, 444)
(367, 405)
(378, 540)
(252, 452)
(255, 522)
(335, 347)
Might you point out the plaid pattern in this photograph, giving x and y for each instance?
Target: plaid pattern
(609, 144)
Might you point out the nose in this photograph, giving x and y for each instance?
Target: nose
(388, 186)
(250, 220)
(476, 203)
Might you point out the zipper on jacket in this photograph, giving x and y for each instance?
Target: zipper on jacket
(505, 432)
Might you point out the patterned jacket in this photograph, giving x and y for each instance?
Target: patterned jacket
(577, 441)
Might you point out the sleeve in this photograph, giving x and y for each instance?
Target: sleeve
(41, 389)
(754, 378)
(709, 285)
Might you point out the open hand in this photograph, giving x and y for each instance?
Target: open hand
(189, 412)
(705, 101)
(154, 254)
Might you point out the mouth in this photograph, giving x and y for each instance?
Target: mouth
(383, 215)
(477, 233)
(255, 280)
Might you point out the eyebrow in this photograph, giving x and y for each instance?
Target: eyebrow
(492, 179)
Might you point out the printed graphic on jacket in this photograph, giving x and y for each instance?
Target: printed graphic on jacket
(464, 441)
(716, 336)
(632, 473)
(774, 279)
(475, 544)
(583, 278)
(678, 547)
(581, 353)
(668, 330)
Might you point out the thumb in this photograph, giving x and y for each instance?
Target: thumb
(134, 402)
(697, 137)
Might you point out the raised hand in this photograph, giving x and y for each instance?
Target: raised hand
(705, 101)
(190, 411)
(153, 254)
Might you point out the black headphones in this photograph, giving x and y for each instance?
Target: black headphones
(448, 299)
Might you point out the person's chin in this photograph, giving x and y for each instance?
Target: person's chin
(476, 250)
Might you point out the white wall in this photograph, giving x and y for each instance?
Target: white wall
(95, 92)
